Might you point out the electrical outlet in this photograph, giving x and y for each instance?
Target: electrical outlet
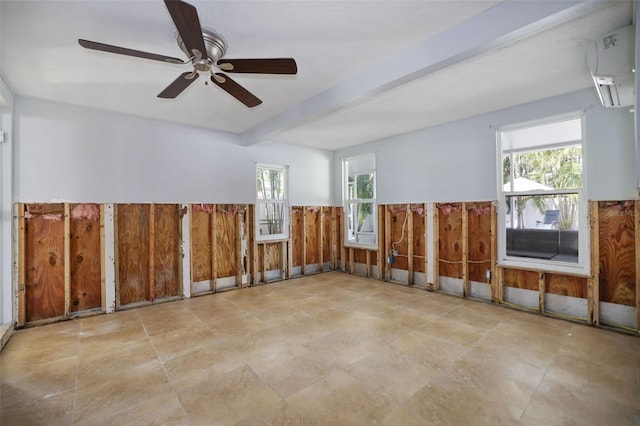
(394, 252)
(488, 274)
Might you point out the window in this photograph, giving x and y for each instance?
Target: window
(543, 212)
(359, 195)
(272, 221)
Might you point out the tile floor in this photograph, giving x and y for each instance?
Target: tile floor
(325, 349)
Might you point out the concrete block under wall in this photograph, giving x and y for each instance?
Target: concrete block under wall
(360, 269)
(202, 286)
(522, 297)
(271, 275)
(400, 275)
(296, 271)
(311, 269)
(480, 290)
(419, 280)
(566, 305)
(451, 285)
(326, 266)
(227, 282)
(615, 314)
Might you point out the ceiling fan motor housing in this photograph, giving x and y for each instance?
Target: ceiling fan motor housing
(216, 48)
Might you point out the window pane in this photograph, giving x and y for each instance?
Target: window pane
(364, 186)
(543, 227)
(270, 184)
(559, 168)
(270, 218)
(360, 222)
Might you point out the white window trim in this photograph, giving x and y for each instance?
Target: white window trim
(583, 266)
(346, 201)
(285, 202)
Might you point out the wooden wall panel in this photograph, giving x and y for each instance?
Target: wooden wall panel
(617, 252)
(167, 256)
(44, 263)
(326, 234)
(479, 244)
(419, 243)
(85, 258)
(201, 242)
(397, 215)
(226, 235)
(450, 240)
(520, 279)
(133, 253)
(297, 234)
(566, 285)
(339, 235)
(312, 217)
(360, 255)
(272, 259)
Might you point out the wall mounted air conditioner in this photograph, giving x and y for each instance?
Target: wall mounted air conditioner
(611, 61)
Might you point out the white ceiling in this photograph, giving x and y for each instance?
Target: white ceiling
(366, 69)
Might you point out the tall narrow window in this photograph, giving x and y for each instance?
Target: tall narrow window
(271, 203)
(360, 201)
(543, 219)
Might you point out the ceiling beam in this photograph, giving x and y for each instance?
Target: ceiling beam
(504, 23)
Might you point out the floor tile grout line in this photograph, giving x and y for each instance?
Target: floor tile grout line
(546, 371)
(164, 369)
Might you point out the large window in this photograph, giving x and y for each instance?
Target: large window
(271, 203)
(543, 211)
(359, 176)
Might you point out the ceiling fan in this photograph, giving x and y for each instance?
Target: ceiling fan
(205, 50)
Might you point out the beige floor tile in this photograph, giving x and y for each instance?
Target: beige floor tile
(392, 374)
(102, 397)
(292, 370)
(556, 402)
(275, 415)
(450, 400)
(26, 410)
(342, 348)
(164, 409)
(341, 400)
(227, 398)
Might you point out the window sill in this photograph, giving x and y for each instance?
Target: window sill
(362, 246)
(550, 266)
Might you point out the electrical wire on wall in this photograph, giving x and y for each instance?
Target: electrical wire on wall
(393, 251)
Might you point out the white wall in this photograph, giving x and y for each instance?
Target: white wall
(457, 161)
(6, 196)
(74, 154)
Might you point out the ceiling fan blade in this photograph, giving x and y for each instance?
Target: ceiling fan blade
(94, 45)
(259, 66)
(235, 90)
(185, 17)
(178, 85)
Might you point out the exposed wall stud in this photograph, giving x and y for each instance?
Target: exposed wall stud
(368, 252)
(387, 242)
(304, 240)
(541, 291)
(593, 283)
(333, 239)
(494, 252)
(103, 264)
(343, 248)
(425, 218)
(380, 256)
(22, 266)
(152, 266)
(352, 260)
(436, 247)
(409, 214)
(637, 238)
(67, 260)
(465, 251)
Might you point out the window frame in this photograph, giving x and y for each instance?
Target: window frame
(583, 266)
(346, 201)
(285, 204)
